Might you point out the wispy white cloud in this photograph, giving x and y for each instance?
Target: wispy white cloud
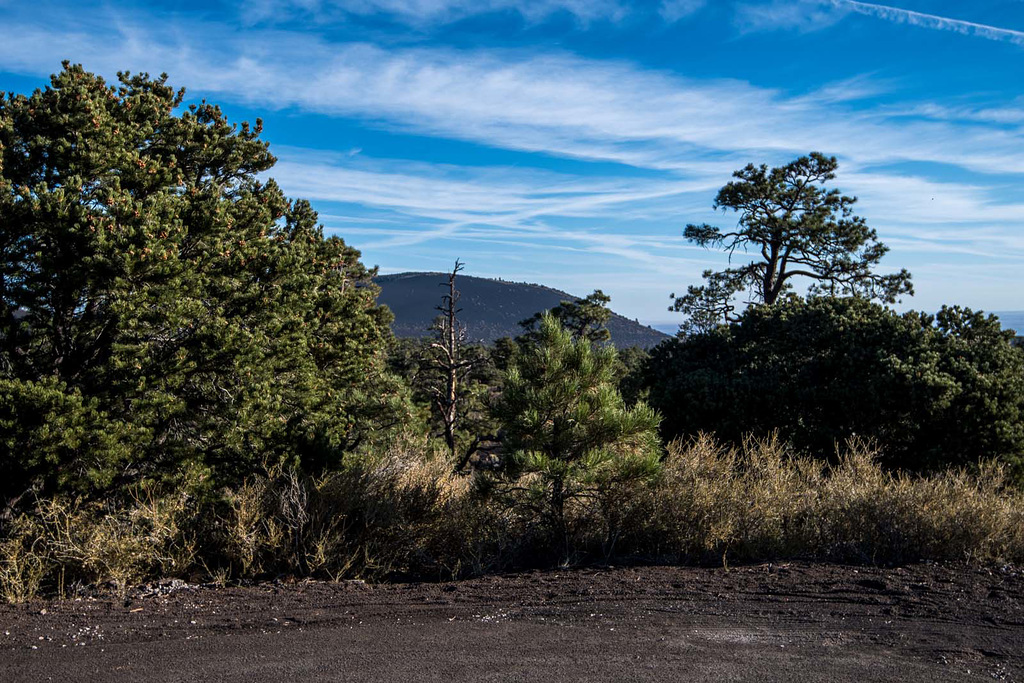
(1011, 113)
(799, 15)
(415, 203)
(932, 21)
(813, 15)
(505, 201)
(553, 103)
(423, 12)
(904, 199)
(687, 134)
(675, 10)
(848, 90)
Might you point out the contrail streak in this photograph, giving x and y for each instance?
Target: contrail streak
(912, 18)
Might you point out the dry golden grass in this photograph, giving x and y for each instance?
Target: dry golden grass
(759, 502)
(401, 511)
(22, 564)
(62, 540)
(404, 512)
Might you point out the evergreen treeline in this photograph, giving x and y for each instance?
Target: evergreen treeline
(195, 381)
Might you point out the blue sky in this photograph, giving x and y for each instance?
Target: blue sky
(568, 142)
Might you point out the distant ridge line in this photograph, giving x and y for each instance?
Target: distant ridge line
(491, 307)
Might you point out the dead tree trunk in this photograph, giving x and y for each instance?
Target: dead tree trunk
(448, 359)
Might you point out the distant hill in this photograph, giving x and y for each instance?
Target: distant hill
(490, 308)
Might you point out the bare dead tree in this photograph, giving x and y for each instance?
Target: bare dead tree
(449, 362)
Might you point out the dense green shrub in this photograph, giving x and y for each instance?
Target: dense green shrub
(931, 391)
(161, 303)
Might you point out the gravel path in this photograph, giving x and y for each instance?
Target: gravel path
(789, 622)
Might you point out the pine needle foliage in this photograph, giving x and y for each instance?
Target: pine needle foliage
(162, 304)
(567, 432)
(794, 228)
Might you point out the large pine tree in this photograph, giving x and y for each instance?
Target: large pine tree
(163, 305)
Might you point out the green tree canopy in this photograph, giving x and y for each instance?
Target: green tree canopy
(163, 304)
(585, 318)
(564, 420)
(794, 228)
(932, 391)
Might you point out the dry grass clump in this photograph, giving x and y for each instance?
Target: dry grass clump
(62, 541)
(404, 512)
(416, 515)
(399, 512)
(869, 515)
(22, 566)
(761, 502)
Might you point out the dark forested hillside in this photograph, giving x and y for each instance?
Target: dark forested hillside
(490, 308)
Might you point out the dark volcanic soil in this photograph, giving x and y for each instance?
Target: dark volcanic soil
(789, 622)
